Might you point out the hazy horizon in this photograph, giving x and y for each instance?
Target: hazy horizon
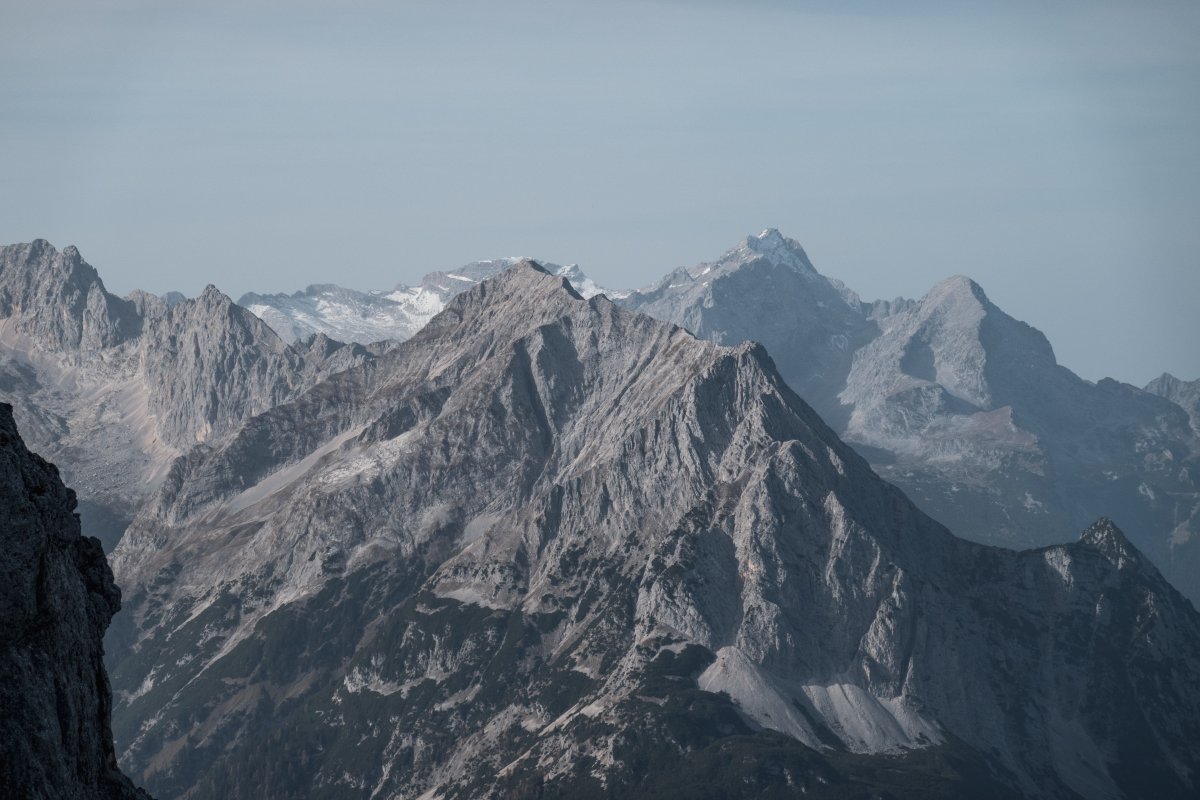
(1048, 153)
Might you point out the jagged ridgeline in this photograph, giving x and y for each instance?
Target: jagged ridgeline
(56, 598)
(948, 397)
(960, 405)
(115, 389)
(551, 548)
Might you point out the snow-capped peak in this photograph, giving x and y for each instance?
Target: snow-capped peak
(769, 244)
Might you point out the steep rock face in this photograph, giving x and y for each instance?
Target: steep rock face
(967, 410)
(551, 548)
(352, 316)
(216, 364)
(35, 277)
(116, 389)
(57, 597)
(766, 290)
(961, 405)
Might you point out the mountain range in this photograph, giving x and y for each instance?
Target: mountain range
(548, 547)
(353, 316)
(953, 400)
(559, 546)
(115, 389)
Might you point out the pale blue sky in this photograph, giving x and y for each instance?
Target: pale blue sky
(1053, 154)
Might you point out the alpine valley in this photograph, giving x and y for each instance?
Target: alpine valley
(559, 542)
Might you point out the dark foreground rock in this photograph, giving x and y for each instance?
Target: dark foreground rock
(57, 597)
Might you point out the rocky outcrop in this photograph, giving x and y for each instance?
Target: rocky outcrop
(57, 597)
(215, 365)
(36, 278)
(548, 548)
(116, 389)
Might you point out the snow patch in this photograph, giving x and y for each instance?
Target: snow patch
(1059, 560)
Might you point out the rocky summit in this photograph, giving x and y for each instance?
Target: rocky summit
(1185, 394)
(959, 404)
(548, 547)
(56, 599)
(115, 389)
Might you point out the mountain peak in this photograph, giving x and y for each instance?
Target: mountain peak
(59, 299)
(212, 297)
(775, 247)
(527, 273)
(529, 263)
(1185, 394)
(770, 235)
(1111, 542)
(959, 287)
(1166, 378)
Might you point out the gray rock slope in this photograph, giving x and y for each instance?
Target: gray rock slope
(352, 316)
(550, 548)
(969, 412)
(116, 389)
(766, 290)
(959, 404)
(1185, 394)
(56, 598)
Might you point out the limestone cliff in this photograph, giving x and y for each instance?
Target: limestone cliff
(57, 597)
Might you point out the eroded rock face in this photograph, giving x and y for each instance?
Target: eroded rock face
(35, 278)
(1185, 394)
(548, 546)
(966, 409)
(959, 404)
(57, 597)
(766, 290)
(116, 389)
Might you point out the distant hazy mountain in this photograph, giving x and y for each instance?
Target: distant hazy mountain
(1185, 394)
(551, 548)
(56, 599)
(115, 389)
(959, 404)
(352, 316)
(766, 290)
